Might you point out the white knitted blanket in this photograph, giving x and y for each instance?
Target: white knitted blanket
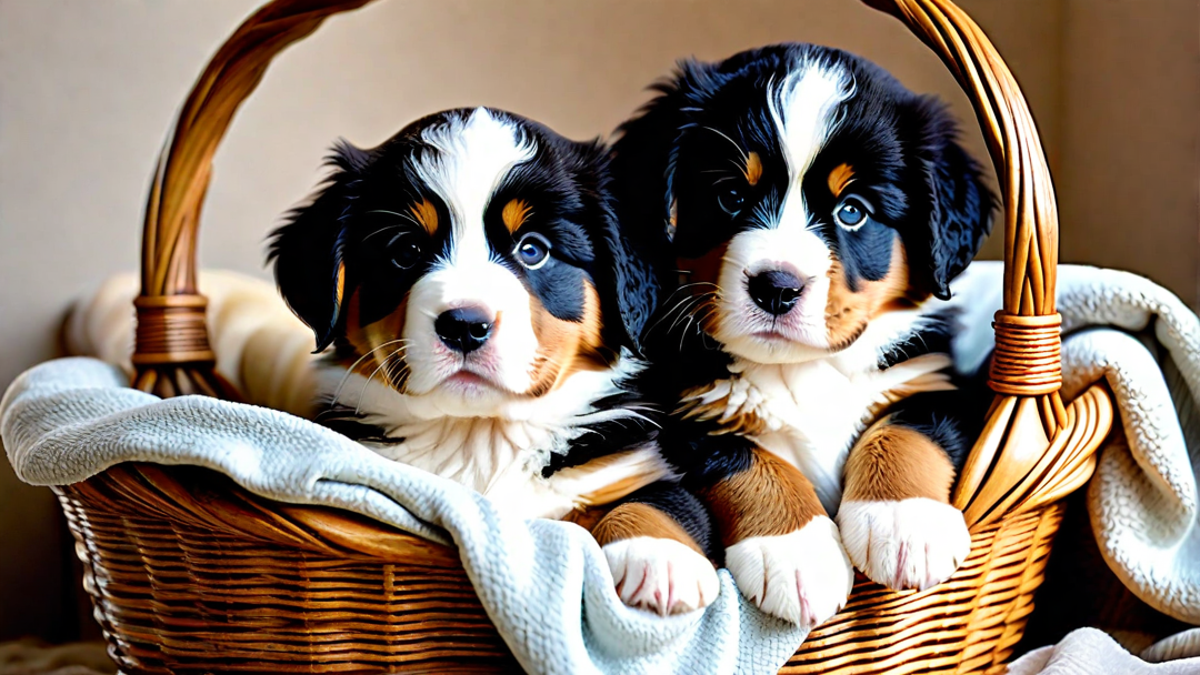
(1145, 342)
(545, 584)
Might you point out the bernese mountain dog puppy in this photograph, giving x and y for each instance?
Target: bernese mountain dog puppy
(814, 210)
(484, 312)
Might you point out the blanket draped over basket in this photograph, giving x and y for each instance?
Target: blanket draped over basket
(546, 585)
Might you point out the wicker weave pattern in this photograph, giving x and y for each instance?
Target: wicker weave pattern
(967, 624)
(228, 583)
(208, 585)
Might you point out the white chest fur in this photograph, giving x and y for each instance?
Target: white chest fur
(502, 455)
(809, 414)
(503, 460)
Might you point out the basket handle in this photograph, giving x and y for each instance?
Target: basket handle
(1028, 428)
(172, 354)
(172, 334)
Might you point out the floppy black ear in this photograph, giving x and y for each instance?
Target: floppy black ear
(643, 170)
(623, 273)
(960, 217)
(632, 283)
(309, 250)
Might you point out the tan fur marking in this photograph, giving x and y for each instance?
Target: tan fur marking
(614, 491)
(893, 462)
(566, 347)
(839, 178)
(704, 270)
(641, 520)
(693, 406)
(848, 312)
(754, 168)
(426, 215)
(770, 498)
(341, 283)
(515, 213)
(587, 517)
(385, 363)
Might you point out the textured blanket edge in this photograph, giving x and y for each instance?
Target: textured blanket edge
(545, 584)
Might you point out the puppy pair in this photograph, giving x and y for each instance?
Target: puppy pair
(814, 210)
(486, 299)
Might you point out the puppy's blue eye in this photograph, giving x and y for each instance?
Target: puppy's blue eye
(851, 213)
(533, 250)
(405, 252)
(731, 199)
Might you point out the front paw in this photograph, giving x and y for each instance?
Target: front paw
(803, 577)
(661, 575)
(911, 543)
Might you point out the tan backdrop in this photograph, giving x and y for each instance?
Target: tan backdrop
(88, 89)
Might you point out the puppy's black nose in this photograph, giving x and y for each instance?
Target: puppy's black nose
(776, 292)
(465, 329)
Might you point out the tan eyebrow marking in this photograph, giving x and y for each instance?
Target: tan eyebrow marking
(754, 168)
(341, 283)
(515, 213)
(839, 178)
(426, 215)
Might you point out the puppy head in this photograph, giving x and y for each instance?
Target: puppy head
(470, 261)
(805, 192)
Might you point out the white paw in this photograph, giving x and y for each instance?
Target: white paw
(911, 543)
(662, 576)
(803, 577)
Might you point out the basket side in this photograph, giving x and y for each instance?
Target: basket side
(206, 581)
(211, 584)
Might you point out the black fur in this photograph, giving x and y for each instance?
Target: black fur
(923, 186)
(684, 508)
(951, 419)
(923, 189)
(311, 248)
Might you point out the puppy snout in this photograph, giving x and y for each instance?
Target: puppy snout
(464, 329)
(776, 292)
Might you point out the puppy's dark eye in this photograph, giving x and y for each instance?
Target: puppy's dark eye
(405, 251)
(533, 250)
(731, 199)
(851, 213)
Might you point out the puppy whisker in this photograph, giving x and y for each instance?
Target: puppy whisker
(350, 371)
(741, 153)
(363, 390)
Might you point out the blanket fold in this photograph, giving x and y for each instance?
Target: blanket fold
(1088, 651)
(546, 585)
(1145, 343)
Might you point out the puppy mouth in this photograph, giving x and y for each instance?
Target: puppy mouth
(466, 381)
(466, 377)
(782, 339)
(789, 330)
(772, 336)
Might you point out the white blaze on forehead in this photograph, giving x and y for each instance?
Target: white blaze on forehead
(474, 156)
(804, 108)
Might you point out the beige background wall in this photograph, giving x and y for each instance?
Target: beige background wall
(88, 89)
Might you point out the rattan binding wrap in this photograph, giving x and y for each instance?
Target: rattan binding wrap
(191, 574)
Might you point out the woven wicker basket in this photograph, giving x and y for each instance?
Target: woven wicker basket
(190, 574)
